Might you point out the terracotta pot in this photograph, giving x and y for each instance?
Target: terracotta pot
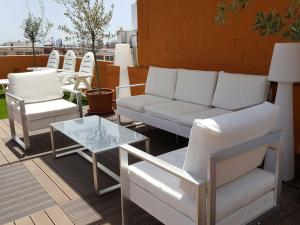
(100, 103)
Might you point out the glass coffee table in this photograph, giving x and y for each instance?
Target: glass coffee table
(96, 135)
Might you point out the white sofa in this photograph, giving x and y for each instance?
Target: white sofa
(215, 180)
(174, 98)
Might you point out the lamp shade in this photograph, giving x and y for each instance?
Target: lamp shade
(285, 65)
(123, 57)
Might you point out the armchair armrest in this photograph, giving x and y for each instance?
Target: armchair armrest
(78, 100)
(178, 172)
(199, 185)
(127, 86)
(13, 97)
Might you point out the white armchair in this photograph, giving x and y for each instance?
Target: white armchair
(83, 78)
(217, 179)
(34, 100)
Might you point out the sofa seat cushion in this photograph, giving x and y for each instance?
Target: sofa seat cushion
(161, 82)
(172, 111)
(230, 197)
(237, 91)
(196, 86)
(35, 111)
(188, 120)
(139, 102)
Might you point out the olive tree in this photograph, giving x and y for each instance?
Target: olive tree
(90, 21)
(286, 24)
(36, 28)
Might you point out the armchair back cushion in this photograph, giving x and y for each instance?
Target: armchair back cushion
(237, 91)
(212, 135)
(37, 86)
(161, 82)
(196, 86)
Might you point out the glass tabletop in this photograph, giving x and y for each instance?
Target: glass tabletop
(97, 134)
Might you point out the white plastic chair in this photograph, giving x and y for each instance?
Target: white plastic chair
(68, 66)
(217, 179)
(34, 100)
(53, 62)
(83, 78)
(69, 62)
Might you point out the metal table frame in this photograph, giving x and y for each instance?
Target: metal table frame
(79, 149)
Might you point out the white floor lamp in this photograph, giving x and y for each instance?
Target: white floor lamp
(285, 69)
(123, 59)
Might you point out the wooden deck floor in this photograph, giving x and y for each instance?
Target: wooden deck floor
(64, 189)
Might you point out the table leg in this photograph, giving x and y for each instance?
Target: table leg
(147, 145)
(52, 141)
(95, 173)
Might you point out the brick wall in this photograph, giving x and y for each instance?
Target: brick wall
(182, 33)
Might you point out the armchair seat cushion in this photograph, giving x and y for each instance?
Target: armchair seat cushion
(139, 102)
(188, 119)
(35, 111)
(172, 111)
(230, 197)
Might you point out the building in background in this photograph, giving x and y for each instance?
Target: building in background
(19, 48)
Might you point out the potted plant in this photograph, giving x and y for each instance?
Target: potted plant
(271, 23)
(90, 22)
(36, 28)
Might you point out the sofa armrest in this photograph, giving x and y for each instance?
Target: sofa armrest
(127, 86)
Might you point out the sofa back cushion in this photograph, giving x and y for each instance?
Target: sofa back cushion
(196, 86)
(237, 91)
(161, 82)
(35, 86)
(212, 135)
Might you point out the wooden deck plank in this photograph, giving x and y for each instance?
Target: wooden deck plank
(18, 127)
(3, 160)
(66, 187)
(6, 152)
(5, 129)
(10, 223)
(24, 221)
(54, 191)
(58, 216)
(41, 218)
(64, 167)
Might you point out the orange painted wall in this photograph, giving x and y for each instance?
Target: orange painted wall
(182, 33)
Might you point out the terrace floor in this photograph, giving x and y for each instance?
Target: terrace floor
(36, 189)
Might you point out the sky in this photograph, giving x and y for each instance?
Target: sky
(13, 12)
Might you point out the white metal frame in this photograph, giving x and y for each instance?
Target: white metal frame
(206, 190)
(10, 101)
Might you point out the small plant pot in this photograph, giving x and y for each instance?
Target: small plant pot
(100, 103)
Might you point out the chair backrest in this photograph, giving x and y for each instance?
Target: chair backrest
(212, 135)
(237, 91)
(37, 86)
(196, 86)
(53, 60)
(161, 82)
(69, 61)
(87, 65)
